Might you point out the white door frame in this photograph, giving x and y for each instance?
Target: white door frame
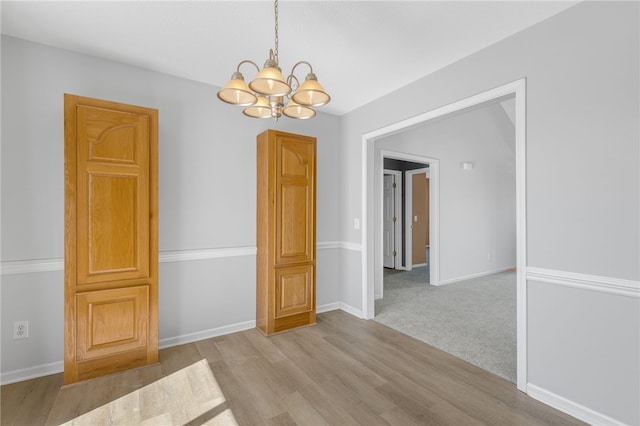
(370, 177)
(433, 208)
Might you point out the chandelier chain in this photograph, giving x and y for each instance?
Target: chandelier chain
(266, 95)
(275, 8)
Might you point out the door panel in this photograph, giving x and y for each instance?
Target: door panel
(294, 237)
(111, 320)
(294, 160)
(294, 225)
(294, 290)
(111, 234)
(113, 195)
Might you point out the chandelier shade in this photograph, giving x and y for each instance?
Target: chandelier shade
(311, 93)
(236, 92)
(301, 112)
(261, 109)
(270, 82)
(265, 95)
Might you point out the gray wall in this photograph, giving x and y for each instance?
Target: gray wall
(207, 197)
(583, 192)
(477, 207)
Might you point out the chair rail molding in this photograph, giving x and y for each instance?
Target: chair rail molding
(609, 285)
(14, 267)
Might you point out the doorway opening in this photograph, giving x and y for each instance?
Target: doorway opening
(372, 226)
(416, 226)
(406, 213)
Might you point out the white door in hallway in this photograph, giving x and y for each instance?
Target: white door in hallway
(389, 222)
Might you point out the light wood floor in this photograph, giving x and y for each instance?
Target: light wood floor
(342, 371)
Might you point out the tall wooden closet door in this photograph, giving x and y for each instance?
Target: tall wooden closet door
(111, 234)
(286, 231)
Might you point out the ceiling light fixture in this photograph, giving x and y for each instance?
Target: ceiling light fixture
(265, 96)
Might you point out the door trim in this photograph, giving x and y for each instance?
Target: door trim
(368, 258)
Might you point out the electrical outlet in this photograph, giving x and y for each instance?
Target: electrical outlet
(21, 329)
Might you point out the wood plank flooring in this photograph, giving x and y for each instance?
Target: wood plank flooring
(342, 371)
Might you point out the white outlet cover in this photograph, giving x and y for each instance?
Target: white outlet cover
(21, 329)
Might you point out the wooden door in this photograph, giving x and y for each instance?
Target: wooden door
(295, 231)
(420, 212)
(111, 237)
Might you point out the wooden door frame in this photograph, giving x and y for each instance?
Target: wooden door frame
(434, 217)
(368, 182)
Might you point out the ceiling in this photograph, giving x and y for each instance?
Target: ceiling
(360, 50)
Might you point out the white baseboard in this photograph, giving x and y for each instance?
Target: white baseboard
(31, 372)
(572, 408)
(351, 310)
(339, 305)
(58, 367)
(205, 334)
(477, 275)
(328, 307)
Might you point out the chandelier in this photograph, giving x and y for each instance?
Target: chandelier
(265, 95)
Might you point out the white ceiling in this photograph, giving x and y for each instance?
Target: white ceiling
(360, 50)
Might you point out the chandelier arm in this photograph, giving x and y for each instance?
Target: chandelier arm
(246, 61)
(300, 63)
(290, 80)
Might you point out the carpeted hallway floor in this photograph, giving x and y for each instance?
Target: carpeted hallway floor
(474, 320)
